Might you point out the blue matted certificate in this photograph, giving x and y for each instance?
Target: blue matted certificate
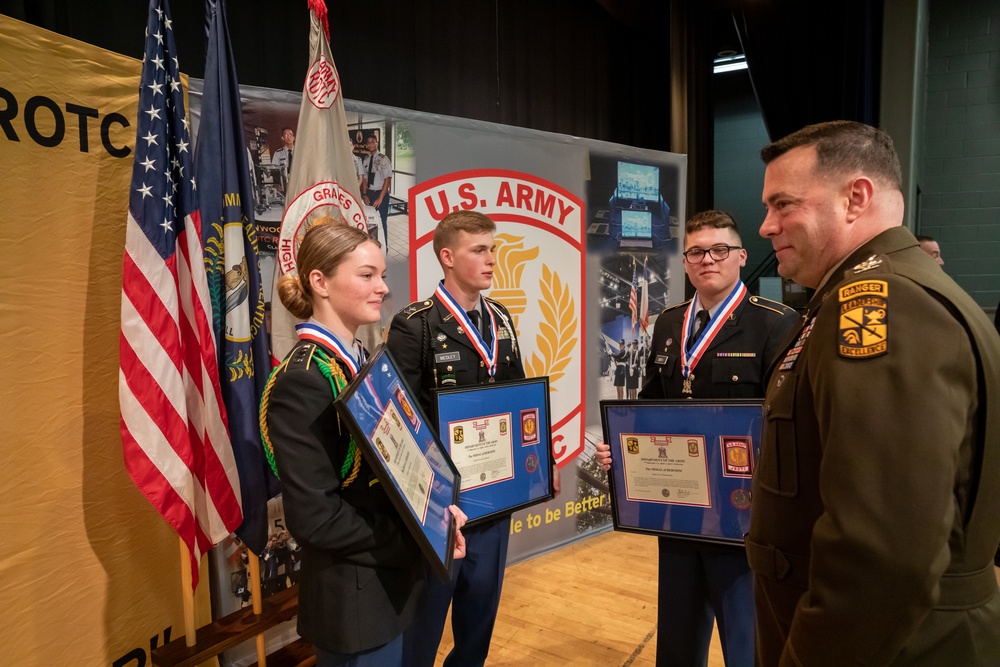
(500, 438)
(400, 444)
(683, 467)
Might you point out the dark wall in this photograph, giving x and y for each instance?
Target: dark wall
(580, 67)
(739, 172)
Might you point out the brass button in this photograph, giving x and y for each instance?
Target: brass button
(481, 364)
(736, 378)
(449, 368)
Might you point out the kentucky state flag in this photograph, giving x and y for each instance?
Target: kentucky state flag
(230, 243)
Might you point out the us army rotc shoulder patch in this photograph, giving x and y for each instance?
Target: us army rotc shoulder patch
(864, 319)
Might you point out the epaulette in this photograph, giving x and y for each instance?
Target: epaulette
(303, 356)
(416, 307)
(768, 304)
(676, 306)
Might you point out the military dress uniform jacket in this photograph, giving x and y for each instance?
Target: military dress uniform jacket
(875, 499)
(733, 366)
(361, 574)
(432, 351)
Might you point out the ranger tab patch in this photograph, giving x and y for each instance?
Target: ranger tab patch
(864, 319)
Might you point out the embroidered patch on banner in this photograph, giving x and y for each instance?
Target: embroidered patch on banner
(864, 319)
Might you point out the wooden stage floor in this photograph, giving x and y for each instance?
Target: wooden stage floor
(590, 603)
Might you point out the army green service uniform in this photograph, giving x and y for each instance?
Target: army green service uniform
(875, 502)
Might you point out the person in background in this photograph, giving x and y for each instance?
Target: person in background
(874, 522)
(931, 247)
(447, 340)
(378, 183)
(283, 156)
(621, 368)
(361, 576)
(717, 345)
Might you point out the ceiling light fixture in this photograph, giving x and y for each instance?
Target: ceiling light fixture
(729, 63)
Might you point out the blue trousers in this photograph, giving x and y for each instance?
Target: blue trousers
(474, 594)
(387, 655)
(699, 581)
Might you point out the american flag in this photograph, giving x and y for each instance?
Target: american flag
(174, 435)
(644, 302)
(633, 304)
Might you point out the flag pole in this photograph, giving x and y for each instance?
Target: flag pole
(187, 593)
(253, 562)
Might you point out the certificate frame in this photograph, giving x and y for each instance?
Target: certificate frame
(501, 435)
(396, 438)
(683, 467)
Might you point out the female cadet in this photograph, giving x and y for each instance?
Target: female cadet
(361, 574)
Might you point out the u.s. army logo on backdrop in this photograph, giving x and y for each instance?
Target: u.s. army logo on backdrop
(864, 319)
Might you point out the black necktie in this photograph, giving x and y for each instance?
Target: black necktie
(476, 317)
(289, 165)
(699, 326)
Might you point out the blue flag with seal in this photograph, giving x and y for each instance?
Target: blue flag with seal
(230, 246)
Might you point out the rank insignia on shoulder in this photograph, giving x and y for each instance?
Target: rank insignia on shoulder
(416, 307)
(872, 262)
(864, 319)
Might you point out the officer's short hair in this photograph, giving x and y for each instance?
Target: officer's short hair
(447, 231)
(845, 147)
(712, 220)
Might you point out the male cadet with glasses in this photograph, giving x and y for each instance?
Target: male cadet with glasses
(455, 338)
(717, 345)
(874, 521)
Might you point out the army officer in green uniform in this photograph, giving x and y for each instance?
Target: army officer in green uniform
(875, 499)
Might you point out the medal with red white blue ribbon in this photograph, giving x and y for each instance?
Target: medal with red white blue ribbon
(488, 353)
(691, 357)
(317, 333)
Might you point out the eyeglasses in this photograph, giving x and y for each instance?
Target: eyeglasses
(718, 253)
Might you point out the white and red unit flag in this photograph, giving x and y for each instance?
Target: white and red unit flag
(323, 185)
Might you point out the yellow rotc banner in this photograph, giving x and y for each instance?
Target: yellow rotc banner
(90, 570)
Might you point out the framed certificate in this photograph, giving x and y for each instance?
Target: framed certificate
(682, 467)
(500, 439)
(395, 437)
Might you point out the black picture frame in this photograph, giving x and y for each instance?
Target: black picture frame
(683, 467)
(512, 469)
(395, 436)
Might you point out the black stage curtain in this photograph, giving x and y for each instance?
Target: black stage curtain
(812, 61)
(591, 68)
